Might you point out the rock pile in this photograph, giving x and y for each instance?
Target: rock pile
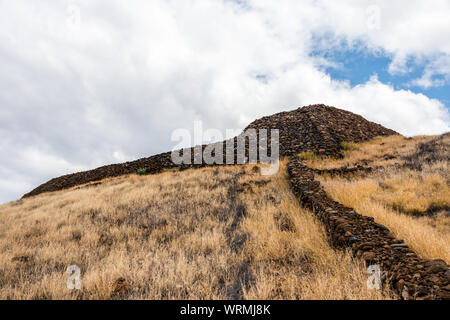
(152, 164)
(319, 128)
(315, 128)
(345, 171)
(407, 274)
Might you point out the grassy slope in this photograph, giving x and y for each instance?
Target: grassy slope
(212, 233)
(414, 204)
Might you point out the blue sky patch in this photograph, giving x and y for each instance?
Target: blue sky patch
(357, 66)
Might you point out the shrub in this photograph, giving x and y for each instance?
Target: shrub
(307, 155)
(141, 171)
(349, 146)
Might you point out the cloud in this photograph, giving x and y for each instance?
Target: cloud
(402, 110)
(436, 73)
(85, 83)
(413, 33)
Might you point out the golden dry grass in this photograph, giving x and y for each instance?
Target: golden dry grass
(414, 204)
(290, 256)
(380, 151)
(212, 233)
(429, 237)
(413, 192)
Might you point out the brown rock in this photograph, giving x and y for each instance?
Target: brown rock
(400, 285)
(434, 279)
(368, 256)
(436, 268)
(447, 275)
(444, 295)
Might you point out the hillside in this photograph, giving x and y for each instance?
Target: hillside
(407, 189)
(315, 128)
(211, 233)
(349, 194)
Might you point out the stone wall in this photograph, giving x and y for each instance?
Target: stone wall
(407, 274)
(317, 128)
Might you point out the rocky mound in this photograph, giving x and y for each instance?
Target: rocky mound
(317, 128)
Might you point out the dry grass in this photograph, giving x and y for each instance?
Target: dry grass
(220, 233)
(307, 155)
(290, 256)
(347, 146)
(429, 237)
(415, 193)
(414, 204)
(380, 151)
(212, 233)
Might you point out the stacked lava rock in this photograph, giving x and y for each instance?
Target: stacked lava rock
(344, 171)
(410, 276)
(315, 128)
(319, 128)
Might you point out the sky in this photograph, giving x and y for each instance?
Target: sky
(91, 82)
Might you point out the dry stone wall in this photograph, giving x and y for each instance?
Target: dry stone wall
(407, 274)
(317, 128)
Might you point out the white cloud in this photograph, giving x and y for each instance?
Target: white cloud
(402, 110)
(399, 64)
(91, 82)
(436, 73)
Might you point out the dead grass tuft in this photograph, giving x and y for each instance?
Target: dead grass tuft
(380, 151)
(307, 155)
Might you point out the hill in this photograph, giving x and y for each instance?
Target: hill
(316, 128)
(349, 194)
